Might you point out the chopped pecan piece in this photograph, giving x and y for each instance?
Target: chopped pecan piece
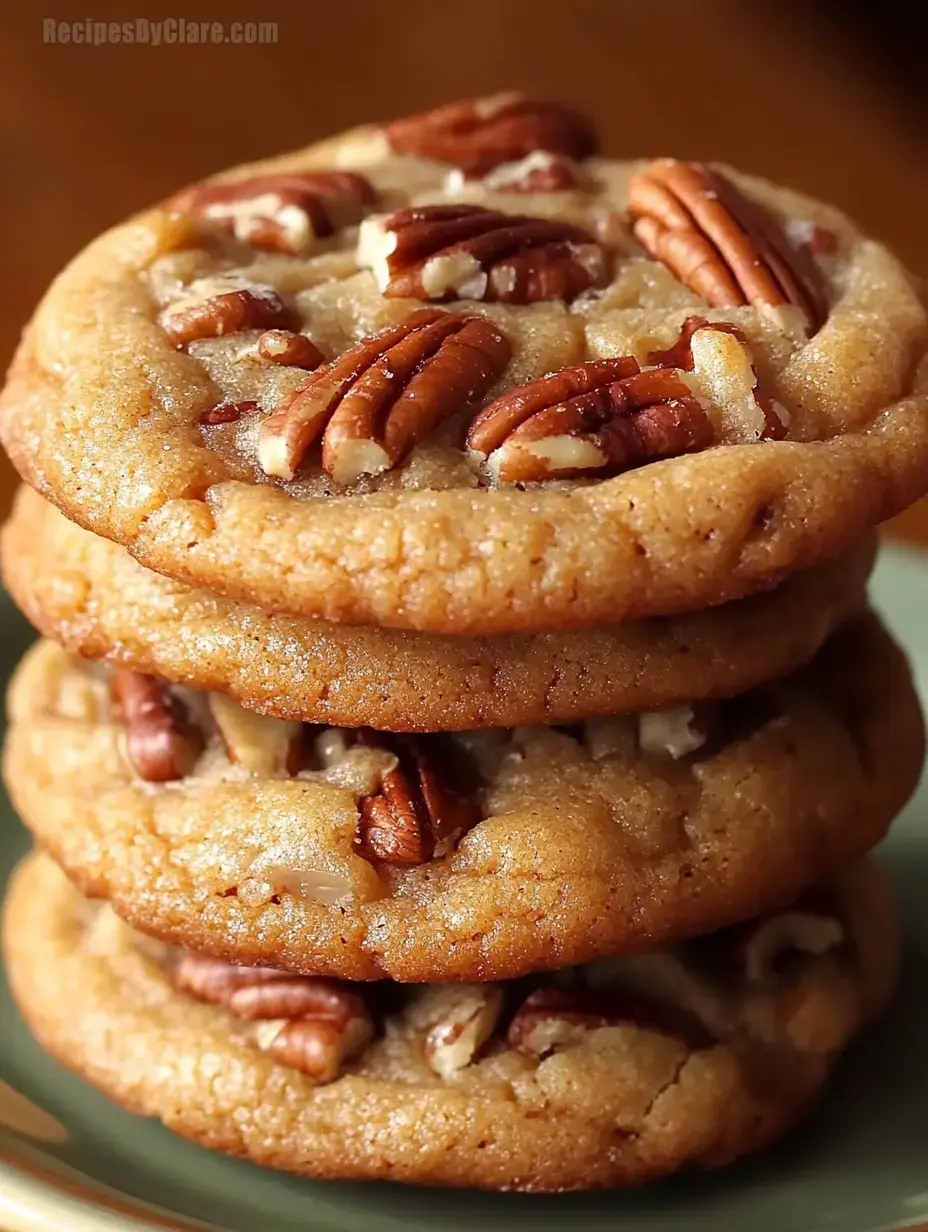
(258, 308)
(461, 1018)
(161, 743)
(761, 945)
(307, 1023)
(552, 1018)
(227, 412)
(283, 212)
(423, 806)
(258, 744)
(688, 355)
(283, 346)
(480, 133)
(375, 402)
(674, 733)
(443, 252)
(598, 418)
(720, 244)
(537, 172)
(818, 240)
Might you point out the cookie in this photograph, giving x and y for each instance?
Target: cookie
(90, 595)
(605, 1075)
(482, 855)
(378, 382)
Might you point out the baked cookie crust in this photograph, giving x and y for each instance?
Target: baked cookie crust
(117, 407)
(92, 597)
(629, 1099)
(484, 856)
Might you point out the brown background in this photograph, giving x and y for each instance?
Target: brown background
(88, 134)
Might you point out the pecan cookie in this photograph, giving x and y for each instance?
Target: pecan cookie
(604, 1075)
(482, 855)
(458, 375)
(92, 596)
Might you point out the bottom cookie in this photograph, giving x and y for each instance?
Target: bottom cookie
(609, 1074)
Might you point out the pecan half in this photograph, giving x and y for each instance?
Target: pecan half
(307, 1023)
(681, 355)
(720, 244)
(598, 418)
(480, 133)
(552, 1018)
(161, 743)
(259, 308)
(283, 346)
(283, 212)
(375, 402)
(461, 1018)
(258, 744)
(443, 252)
(423, 806)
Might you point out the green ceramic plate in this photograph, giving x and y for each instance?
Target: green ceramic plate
(69, 1160)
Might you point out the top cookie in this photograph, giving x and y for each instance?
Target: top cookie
(455, 374)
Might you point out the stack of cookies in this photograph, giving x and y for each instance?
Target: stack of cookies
(461, 729)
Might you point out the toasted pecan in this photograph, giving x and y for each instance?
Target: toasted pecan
(550, 1018)
(719, 243)
(680, 355)
(597, 418)
(423, 805)
(162, 744)
(308, 1023)
(281, 212)
(480, 133)
(374, 403)
(258, 308)
(256, 742)
(283, 346)
(443, 252)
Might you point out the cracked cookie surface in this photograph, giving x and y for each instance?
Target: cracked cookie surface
(156, 421)
(93, 597)
(474, 856)
(606, 1075)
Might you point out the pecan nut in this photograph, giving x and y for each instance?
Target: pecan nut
(552, 1018)
(674, 733)
(537, 172)
(720, 244)
(480, 133)
(307, 1023)
(444, 252)
(819, 241)
(283, 346)
(460, 1019)
(763, 945)
(598, 418)
(162, 745)
(260, 745)
(374, 403)
(256, 308)
(727, 374)
(227, 412)
(423, 805)
(283, 212)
